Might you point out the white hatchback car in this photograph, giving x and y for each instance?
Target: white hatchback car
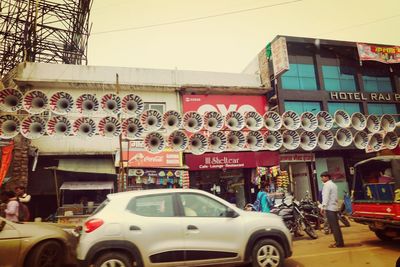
(180, 227)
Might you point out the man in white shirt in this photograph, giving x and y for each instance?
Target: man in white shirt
(330, 207)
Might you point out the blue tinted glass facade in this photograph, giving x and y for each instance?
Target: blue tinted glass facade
(350, 108)
(334, 80)
(299, 77)
(379, 109)
(377, 84)
(300, 107)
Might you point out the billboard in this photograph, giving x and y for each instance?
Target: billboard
(224, 103)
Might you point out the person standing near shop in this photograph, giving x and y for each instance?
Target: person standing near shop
(330, 208)
(12, 208)
(262, 202)
(23, 199)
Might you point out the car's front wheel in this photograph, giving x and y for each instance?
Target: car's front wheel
(113, 259)
(46, 254)
(267, 253)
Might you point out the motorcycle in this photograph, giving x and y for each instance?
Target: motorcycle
(312, 212)
(294, 218)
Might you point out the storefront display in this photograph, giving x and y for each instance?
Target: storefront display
(79, 199)
(277, 180)
(145, 170)
(139, 179)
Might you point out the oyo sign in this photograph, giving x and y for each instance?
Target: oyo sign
(224, 103)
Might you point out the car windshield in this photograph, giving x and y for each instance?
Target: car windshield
(377, 180)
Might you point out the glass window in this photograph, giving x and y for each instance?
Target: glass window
(377, 84)
(160, 107)
(300, 107)
(152, 206)
(350, 108)
(379, 109)
(299, 77)
(195, 205)
(339, 79)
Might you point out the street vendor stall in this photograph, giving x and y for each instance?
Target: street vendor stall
(79, 199)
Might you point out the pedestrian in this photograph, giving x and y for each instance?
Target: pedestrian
(11, 210)
(23, 197)
(262, 202)
(3, 203)
(330, 208)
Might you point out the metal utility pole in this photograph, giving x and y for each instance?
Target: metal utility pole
(43, 31)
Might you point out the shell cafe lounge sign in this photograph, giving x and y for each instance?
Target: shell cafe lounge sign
(381, 53)
(234, 160)
(379, 97)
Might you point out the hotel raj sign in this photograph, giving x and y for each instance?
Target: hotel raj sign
(379, 97)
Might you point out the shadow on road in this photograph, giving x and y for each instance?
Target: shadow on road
(292, 263)
(392, 245)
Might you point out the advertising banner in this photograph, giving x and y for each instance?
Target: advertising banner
(6, 156)
(223, 103)
(212, 161)
(134, 155)
(280, 58)
(145, 159)
(381, 53)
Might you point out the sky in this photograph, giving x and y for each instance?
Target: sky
(226, 35)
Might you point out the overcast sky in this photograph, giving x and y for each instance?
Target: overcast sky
(225, 35)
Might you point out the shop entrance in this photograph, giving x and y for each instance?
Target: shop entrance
(229, 184)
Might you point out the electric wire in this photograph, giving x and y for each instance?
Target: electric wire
(196, 18)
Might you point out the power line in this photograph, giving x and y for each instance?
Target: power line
(197, 18)
(358, 25)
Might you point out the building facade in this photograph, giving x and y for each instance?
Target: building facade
(92, 155)
(325, 75)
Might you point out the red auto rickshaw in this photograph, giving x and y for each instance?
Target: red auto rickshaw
(376, 195)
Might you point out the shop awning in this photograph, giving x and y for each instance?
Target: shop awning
(87, 165)
(94, 185)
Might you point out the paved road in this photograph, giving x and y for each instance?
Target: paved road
(362, 248)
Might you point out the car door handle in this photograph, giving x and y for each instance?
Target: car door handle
(134, 228)
(192, 227)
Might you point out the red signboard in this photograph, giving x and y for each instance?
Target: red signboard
(212, 161)
(224, 103)
(145, 159)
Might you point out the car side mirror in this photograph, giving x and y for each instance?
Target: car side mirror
(231, 213)
(2, 224)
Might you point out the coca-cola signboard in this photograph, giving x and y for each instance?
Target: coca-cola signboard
(224, 103)
(134, 155)
(144, 159)
(212, 161)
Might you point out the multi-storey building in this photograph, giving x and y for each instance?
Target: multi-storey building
(325, 75)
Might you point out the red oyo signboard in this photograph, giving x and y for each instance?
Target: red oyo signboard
(213, 161)
(224, 103)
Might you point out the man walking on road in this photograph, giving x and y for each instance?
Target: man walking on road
(330, 207)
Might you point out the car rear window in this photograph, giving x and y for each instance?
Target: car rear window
(101, 206)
